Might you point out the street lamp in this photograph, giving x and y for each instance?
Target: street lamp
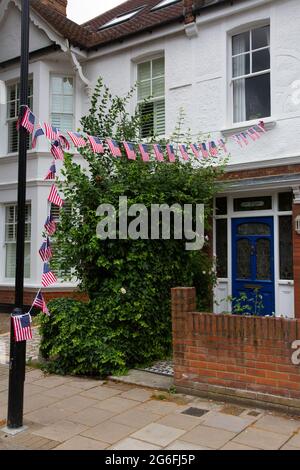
(18, 349)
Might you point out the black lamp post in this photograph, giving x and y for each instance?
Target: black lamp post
(18, 350)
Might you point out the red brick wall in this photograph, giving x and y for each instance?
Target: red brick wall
(233, 352)
(7, 296)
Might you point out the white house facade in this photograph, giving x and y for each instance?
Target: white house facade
(228, 64)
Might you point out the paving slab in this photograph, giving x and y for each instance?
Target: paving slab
(235, 446)
(61, 430)
(62, 391)
(284, 425)
(48, 415)
(81, 443)
(226, 422)
(134, 444)
(182, 445)
(101, 392)
(108, 432)
(116, 404)
(158, 434)
(160, 407)
(261, 439)
(180, 421)
(136, 418)
(51, 381)
(295, 440)
(208, 437)
(92, 416)
(76, 403)
(138, 394)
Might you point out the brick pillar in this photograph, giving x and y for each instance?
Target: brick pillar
(188, 11)
(296, 254)
(183, 301)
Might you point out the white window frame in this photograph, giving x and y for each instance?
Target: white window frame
(16, 83)
(68, 76)
(248, 28)
(14, 242)
(155, 99)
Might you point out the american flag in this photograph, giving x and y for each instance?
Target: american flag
(195, 150)
(51, 172)
(261, 126)
(28, 120)
(38, 133)
(48, 277)
(51, 132)
(222, 144)
(143, 148)
(204, 150)
(171, 153)
(77, 139)
(158, 152)
(63, 141)
(114, 148)
(96, 144)
(57, 151)
(213, 150)
(40, 303)
(183, 151)
(22, 327)
(50, 225)
(45, 251)
(253, 134)
(129, 149)
(237, 140)
(54, 197)
(244, 138)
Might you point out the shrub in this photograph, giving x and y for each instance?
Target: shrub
(127, 321)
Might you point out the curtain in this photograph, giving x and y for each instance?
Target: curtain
(239, 86)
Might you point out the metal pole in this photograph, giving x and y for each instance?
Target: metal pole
(18, 350)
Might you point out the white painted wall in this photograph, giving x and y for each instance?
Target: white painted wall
(10, 34)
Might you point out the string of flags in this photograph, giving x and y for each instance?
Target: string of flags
(60, 144)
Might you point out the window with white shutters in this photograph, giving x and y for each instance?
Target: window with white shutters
(62, 102)
(151, 87)
(11, 239)
(13, 106)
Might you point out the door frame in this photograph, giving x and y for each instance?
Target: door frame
(247, 219)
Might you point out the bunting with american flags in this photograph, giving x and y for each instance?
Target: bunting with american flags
(77, 139)
(48, 277)
(96, 144)
(50, 225)
(171, 153)
(40, 303)
(129, 149)
(114, 148)
(184, 152)
(143, 149)
(38, 133)
(51, 172)
(51, 132)
(45, 251)
(158, 152)
(22, 327)
(54, 197)
(28, 120)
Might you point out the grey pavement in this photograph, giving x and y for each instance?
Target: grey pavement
(87, 414)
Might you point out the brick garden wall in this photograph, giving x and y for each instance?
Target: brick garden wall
(7, 295)
(230, 355)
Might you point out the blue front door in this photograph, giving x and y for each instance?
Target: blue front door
(253, 265)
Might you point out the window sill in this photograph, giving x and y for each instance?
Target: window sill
(242, 126)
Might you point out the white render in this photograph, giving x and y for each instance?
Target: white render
(197, 78)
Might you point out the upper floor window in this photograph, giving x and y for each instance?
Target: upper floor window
(62, 102)
(251, 74)
(13, 107)
(11, 240)
(151, 86)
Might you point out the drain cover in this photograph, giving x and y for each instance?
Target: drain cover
(194, 412)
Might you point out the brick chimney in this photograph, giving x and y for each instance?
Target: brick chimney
(188, 12)
(59, 5)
